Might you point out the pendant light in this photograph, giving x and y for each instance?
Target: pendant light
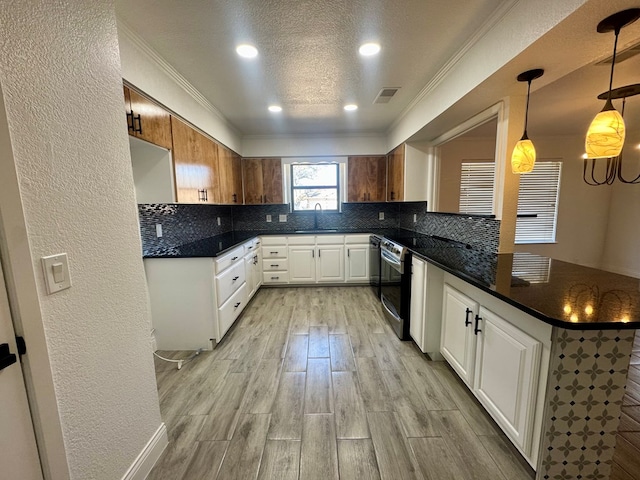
(606, 133)
(524, 153)
(612, 166)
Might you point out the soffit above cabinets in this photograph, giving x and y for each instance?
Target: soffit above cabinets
(308, 58)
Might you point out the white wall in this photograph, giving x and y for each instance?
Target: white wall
(313, 146)
(88, 345)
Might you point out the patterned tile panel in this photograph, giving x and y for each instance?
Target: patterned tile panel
(587, 378)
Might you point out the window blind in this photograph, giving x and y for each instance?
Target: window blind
(476, 187)
(538, 202)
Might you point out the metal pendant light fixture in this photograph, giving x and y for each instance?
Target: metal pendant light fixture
(605, 137)
(523, 157)
(613, 165)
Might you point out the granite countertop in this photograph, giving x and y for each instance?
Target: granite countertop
(559, 293)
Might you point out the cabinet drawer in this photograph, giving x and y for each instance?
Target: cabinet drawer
(330, 239)
(229, 281)
(275, 277)
(228, 312)
(301, 240)
(269, 240)
(275, 264)
(229, 259)
(251, 246)
(357, 239)
(275, 251)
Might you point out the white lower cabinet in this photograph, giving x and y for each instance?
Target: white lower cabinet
(502, 354)
(458, 344)
(357, 263)
(330, 264)
(230, 310)
(506, 375)
(302, 264)
(425, 312)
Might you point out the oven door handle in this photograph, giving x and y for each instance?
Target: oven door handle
(397, 265)
(384, 305)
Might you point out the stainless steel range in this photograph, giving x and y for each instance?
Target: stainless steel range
(395, 285)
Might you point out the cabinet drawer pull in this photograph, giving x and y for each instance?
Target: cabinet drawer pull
(275, 278)
(274, 253)
(277, 265)
(234, 279)
(348, 252)
(250, 247)
(313, 254)
(130, 122)
(237, 305)
(476, 330)
(467, 322)
(234, 259)
(235, 198)
(139, 119)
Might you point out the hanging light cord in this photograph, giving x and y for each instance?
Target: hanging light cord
(526, 112)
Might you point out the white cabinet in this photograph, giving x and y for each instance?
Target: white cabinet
(302, 267)
(506, 378)
(502, 354)
(357, 259)
(275, 264)
(253, 267)
(458, 344)
(416, 310)
(426, 307)
(330, 264)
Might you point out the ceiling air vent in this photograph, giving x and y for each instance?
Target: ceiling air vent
(385, 94)
(622, 55)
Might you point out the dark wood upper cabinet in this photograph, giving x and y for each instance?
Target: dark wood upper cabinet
(262, 180)
(230, 176)
(395, 174)
(367, 179)
(146, 119)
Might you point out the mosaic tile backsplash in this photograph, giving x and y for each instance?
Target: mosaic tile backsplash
(184, 223)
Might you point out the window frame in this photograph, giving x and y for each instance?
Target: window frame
(335, 187)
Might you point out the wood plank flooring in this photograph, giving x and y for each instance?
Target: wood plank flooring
(626, 459)
(312, 383)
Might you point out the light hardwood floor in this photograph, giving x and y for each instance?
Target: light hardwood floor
(626, 460)
(313, 384)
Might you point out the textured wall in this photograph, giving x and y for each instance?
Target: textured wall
(60, 76)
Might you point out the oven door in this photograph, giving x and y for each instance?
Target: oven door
(391, 286)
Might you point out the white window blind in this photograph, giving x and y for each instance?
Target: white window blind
(537, 199)
(476, 187)
(538, 203)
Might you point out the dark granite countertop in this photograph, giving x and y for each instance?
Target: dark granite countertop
(559, 293)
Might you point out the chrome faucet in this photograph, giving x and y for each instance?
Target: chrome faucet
(315, 215)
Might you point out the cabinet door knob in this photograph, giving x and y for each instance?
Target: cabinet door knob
(476, 330)
(467, 322)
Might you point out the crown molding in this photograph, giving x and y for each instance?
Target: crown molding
(125, 30)
(313, 136)
(446, 69)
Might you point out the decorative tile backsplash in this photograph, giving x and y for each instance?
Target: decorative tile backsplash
(184, 223)
(587, 378)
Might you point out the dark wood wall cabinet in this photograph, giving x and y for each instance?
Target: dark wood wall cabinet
(146, 119)
(395, 174)
(262, 179)
(367, 179)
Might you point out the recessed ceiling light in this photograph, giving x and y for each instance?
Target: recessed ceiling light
(275, 108)
(247, 51)
(368, 49)
(351, 107)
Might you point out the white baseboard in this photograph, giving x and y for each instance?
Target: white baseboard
(149, 455)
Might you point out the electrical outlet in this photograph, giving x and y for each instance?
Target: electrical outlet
(415, 217)
(268, 218)
(219, 222)
(158, 230)
(282, 218)
(381, 216)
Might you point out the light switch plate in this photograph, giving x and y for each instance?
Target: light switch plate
(158, 230)
(282, 218)
(56, 267)
(268, 218)
(381, 216)
(219, 222)
(415, 217)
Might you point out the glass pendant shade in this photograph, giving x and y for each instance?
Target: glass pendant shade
(523, 157)
(605, 137)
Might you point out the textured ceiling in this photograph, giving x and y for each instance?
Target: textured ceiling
(308, 61)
